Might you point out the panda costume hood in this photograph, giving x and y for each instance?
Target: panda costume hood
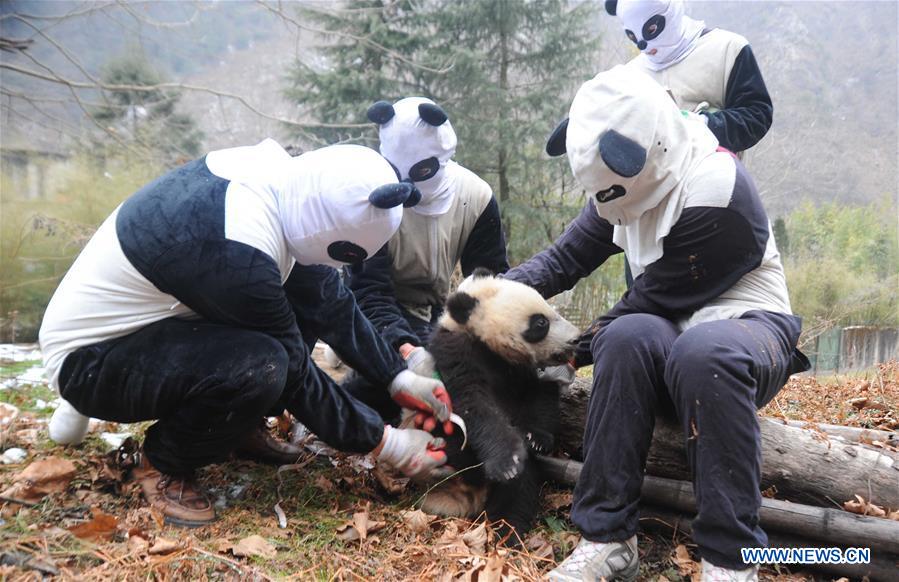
(659, 28)
(329, 215)
(418, 139)
(632, 149)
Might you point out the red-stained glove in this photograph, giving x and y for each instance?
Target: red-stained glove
(427, 396)
(413, 452)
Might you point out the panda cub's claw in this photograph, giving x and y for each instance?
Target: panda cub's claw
(539, 441)
(508, 466)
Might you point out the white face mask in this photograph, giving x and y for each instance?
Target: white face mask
(632, 150)
(337, 205)
(660, 30)
(418, 139)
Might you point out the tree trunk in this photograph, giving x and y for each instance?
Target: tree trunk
(883, 565)
(822, 524)
(801, 464)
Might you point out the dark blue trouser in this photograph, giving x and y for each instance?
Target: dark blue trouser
(714, 377)
(207, 384)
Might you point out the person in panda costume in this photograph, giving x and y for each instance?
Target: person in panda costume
(403, 287)
(198, 299)
(705, 333)
(710, 72)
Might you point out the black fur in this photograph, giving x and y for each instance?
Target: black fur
(509, 412)
(460, 305)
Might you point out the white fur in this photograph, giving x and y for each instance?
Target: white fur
(502, 315)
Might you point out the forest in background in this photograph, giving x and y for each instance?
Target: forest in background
(185, 77)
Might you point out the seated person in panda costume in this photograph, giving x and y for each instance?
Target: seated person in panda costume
(709, 71)
(196, 303)
(705, 333)
(403, 287)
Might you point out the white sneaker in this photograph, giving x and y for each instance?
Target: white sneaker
(594, 561)
(713, 573)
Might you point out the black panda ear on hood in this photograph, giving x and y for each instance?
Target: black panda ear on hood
(460, 305)
(612, 7)
(555, 145)
(391, 195)
(380, 112)
(432, 114)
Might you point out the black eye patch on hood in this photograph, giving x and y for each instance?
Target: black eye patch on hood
(654, 27)
(424, 169)
(347, 252)
(538, 329)
(621, 154)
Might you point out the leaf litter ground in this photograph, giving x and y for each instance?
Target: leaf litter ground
(76, 516)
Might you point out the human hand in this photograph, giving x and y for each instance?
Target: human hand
(413, 452)
(427, 396)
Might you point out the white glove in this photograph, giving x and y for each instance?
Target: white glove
(703, 119)
(413, 452)
(410, 390)
(420, 361)
(68, 426)
(562, 375)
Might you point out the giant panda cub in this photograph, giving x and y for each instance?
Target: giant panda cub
(487, 346)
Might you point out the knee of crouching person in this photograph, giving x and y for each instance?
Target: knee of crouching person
(263, 373)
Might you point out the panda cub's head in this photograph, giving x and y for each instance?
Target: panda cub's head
(512, 319)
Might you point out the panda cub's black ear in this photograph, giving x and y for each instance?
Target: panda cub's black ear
(482, 272)
(460, 305)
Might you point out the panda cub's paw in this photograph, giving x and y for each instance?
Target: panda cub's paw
(539, 441)
(507, 465)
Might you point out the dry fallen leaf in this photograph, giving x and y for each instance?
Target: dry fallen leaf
(864, 507)
(539, 547)
(164, 546)
(324, 483)
(685, 564)
(254, 545)
(476, 539)
(894, 515)
(51, 475)
(101, 527)
(417, 520)
(138, 545)
(493, 571)
(393, 482)
(347, 532)
(360, 522)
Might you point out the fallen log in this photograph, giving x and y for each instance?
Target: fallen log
(883, 565)
(801, 464)
(849, 434)
(825, 525)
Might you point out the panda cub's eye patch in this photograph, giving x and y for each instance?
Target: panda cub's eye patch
(424, 169)
(538, 328)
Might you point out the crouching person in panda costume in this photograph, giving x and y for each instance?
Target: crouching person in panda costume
(403, 287)
(705, 332)
(196, 302)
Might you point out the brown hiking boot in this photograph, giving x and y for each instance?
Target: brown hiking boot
(261, 446)
(180, 499)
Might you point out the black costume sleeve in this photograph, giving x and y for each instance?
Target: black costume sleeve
(236, 284)
(580, 250)
(372, 285)
(323, 303)
(748, 112)
(486, 245)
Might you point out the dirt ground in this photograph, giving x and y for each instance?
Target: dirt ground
(82, 519)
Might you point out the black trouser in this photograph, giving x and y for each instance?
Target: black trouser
(377, 396)
(714, 377)
(207, 384)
